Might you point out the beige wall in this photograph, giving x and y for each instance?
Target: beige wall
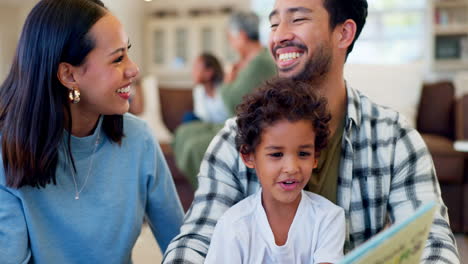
(131, 14)
(13, 15)
(11, 21)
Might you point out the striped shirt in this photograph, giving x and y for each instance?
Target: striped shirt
(386, 173)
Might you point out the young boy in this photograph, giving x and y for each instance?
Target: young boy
(281, 129)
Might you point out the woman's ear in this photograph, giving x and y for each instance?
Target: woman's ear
(248, 160)
(65, 74)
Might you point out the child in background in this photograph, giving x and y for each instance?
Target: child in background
(208, 106)
(281, 129)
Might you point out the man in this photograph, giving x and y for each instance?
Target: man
(376, 166)
(254, 67)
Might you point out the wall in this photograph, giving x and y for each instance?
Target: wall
(13, 15)
(130, 13)
(12, 18)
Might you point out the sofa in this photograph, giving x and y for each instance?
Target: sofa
(174, 103)
(442, 119)
(462, 134)
(163, 110)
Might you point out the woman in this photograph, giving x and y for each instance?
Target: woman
(79, 175)
(208, 75)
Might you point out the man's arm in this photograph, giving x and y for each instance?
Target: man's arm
(221, 184)
(415, 183)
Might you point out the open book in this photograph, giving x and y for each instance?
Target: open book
(401, 243)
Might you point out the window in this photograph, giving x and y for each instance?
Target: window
(207, 39)
(395, 31)
(181, 47)
(159, 46)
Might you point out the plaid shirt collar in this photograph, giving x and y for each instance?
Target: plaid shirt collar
(354, 101)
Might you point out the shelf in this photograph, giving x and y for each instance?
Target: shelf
(449, 35)
(451, 29)
(451, 64)
(450, 3)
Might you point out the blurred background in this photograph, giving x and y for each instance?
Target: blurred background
(411, 56)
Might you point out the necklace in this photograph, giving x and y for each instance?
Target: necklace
(77, 192)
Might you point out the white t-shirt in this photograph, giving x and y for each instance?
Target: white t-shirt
(208, 109)
(243, 234)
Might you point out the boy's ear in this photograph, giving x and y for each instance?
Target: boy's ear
(65, 75)
(317, 156)
(248, 160)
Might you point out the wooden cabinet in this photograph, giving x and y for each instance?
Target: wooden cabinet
(174, 43)
(450, 35)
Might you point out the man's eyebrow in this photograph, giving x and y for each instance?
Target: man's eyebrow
(273, 13)
(298, 9)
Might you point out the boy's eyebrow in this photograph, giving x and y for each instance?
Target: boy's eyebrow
(278, 147)
(273, 147)
(291, 10)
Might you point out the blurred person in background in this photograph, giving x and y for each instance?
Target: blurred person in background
(255, 66)
(208, 75)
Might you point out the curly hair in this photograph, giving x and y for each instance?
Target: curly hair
(276, 100)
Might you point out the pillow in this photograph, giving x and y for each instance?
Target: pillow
(435, 113)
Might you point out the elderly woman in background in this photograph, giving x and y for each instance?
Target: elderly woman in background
(254, 67)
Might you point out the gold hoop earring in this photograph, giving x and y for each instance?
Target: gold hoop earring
(74, 96)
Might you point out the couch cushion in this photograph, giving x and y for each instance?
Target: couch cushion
(452, 194)
(462, 118)
(449, 164)
(436, 110)
(174, 103)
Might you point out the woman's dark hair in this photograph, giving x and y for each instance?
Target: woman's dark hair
(341, 10)
(34, 105)
(211, 62)
(276, 100)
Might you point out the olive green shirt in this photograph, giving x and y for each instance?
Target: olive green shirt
(324, 180)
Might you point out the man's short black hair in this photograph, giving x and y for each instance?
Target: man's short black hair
(341, 10)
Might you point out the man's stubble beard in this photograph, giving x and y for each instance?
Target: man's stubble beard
(317, 68)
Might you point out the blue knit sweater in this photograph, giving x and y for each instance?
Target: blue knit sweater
(125, 184)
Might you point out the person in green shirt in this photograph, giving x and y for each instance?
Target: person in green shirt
(255, 66)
